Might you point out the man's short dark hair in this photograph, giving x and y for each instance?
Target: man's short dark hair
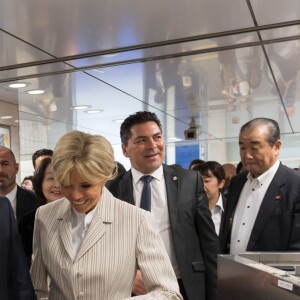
(195, 162)
(139, 117)
(272, 125)
(27, 178)
(3, 148)
(41, 152)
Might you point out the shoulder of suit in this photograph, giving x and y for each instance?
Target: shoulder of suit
(56, 205)
(25, 193)
(176, 170)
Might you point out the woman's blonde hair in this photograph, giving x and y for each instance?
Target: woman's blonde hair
(91, 155)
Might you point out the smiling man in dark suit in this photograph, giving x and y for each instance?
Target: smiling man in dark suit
(263, 212)
(179, 207)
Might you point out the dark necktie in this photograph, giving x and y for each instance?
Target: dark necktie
(146, 193)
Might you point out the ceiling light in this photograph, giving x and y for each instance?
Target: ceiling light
(17, 85)
(6, 117)
(17, 121)
(78, 107)
(119, 120)
(36, 92)
(93, 111)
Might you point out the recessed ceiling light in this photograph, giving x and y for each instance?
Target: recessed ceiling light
(119, 120)
(93, 111)
(36, 92)
(6, 117)
(78, 107)
(17, 121)
(17, 85)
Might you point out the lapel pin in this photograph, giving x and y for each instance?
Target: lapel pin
(277, 197)
(174, 178)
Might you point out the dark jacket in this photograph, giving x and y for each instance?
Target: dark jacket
(27, 204)
(15, 283)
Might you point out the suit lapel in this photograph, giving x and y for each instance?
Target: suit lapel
(19, 204)
(171, 181)
(65, 228)
(126, 188)
(270, 202)
(103, 216)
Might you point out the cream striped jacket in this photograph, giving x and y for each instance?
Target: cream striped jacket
(119, 240)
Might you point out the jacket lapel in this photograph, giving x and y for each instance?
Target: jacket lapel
(126, 188)
(65, 228)
(171, 181)
(103, 216)
(272, 199)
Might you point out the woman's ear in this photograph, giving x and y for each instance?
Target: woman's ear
(221, 184)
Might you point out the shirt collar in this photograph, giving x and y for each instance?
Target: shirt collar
(220, 202)
(266, 176)
(136, 175)
(12, 194)
(83, 217)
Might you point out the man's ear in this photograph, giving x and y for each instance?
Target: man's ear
(277, 145)
(124, 149)
(17, 166)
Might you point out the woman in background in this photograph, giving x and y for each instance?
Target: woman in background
(213, 176)
(90, 244)
(45, 185)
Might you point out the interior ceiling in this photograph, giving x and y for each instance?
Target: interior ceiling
(222, 62)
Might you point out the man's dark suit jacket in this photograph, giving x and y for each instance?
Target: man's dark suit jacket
(26, 206)
(196, 244)
(15, 283)
(277, 226)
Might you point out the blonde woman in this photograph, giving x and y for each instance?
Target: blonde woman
(89, 243)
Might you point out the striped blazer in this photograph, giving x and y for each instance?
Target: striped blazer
(120, 239)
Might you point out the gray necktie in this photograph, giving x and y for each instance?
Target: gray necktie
(146, 193)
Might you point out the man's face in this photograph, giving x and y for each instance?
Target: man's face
(256, 153)
(145, 148)
(8, 171)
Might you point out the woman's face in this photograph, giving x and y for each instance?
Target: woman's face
(212, 186)
(50, 186)
(82, 195)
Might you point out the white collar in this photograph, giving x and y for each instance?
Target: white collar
(136, 175)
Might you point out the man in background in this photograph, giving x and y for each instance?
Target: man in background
(179, 207)
(23, 202)
(230, 171)
(39, 155)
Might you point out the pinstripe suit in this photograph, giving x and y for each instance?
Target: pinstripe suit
(119, 240)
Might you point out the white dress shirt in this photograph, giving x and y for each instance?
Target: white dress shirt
(247, 208)
(216, 213)
(159, 209)
(12, 197)
(80, 226)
